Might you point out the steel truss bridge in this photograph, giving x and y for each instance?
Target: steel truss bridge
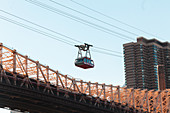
(27, 85)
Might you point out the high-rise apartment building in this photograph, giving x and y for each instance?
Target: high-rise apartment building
(147, 64)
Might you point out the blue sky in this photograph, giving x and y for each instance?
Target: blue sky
(151, 16)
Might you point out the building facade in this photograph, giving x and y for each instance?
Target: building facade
(147, 64)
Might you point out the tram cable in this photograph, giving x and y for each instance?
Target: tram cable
(93, 17)
(94, 50)
(35, 30)
(46, 34)
(57, 32)
(80, 20)
(40, 26)
(112, 18)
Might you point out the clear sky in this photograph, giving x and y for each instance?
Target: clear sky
(151, 16)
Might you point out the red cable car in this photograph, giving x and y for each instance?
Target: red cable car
(84, 62)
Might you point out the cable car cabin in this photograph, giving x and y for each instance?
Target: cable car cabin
(84, 63)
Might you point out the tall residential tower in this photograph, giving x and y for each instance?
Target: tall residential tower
(147, 64)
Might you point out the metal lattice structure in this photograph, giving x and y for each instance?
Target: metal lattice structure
(142, 100)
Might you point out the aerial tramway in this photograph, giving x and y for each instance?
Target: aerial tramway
(84, 61)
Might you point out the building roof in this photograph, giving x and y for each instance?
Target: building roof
(163, 44)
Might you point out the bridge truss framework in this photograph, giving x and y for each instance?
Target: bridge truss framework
(142, 100)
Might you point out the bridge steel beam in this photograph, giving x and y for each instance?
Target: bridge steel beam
(35, 100)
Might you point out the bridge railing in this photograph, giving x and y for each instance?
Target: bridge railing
(151, 101)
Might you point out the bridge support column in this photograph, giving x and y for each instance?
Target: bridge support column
(38, 82)
(14, 61)
(111, 89)
(57, 75)
(1, 67)
(14, 66)
(161, 103)
(81, 85)
(47, 73)
(147, 100)
(89, 87)
(118, 88)
(65, 81)
(104, 91)
(26, 65)
(133, 97)
(168, 104)
(1, 46)
(57, 82)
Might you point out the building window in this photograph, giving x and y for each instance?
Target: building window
(168, 77)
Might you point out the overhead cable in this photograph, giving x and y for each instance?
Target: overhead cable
(41, 26)
(107, 50)
(35, 30)
(93, 18)
(62, 13)
(45, 33)
(56, 32)
(112, 18)
(94, 50)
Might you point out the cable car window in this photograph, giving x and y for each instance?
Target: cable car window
(84, 59)
(87, 60)
(80, 60)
